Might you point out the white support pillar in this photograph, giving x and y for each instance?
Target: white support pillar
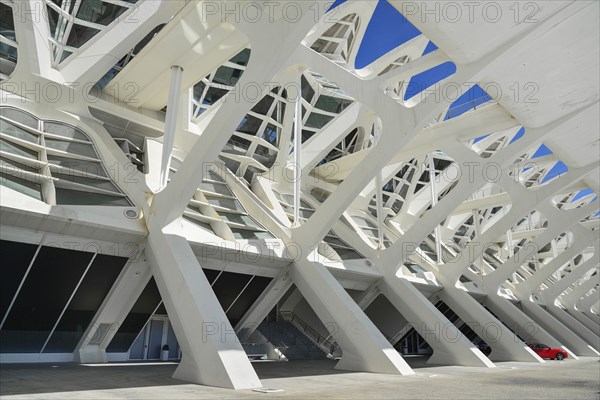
(450, 346)
(434, 198)
(211, 352)
(364, 347)
(379, 195)
(477, 224)
(173, 104)
(297, 150)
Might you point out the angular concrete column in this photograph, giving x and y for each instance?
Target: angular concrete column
(212, 353)
(520, 323)
(450, 346)
(364, 346)
(505, 345)
(557, 329)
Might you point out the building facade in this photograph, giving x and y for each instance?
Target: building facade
(176, 176)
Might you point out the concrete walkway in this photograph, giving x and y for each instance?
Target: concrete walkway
(569, 379)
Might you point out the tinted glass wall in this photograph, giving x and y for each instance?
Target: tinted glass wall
(50, 295)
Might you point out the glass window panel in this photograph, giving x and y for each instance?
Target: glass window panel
(247, 298)
(237, 145)
(263, 106)
(9, 55)
(10, 165)
(52, 20)
(278, 114)
(199, 223)
(88, 167)
(347, 254)
(30, 189)
(64, 131)
(271, 134)
(241, 234)
(239, 219)
(42, 298)
(7, 24)
(96, 183)
(228, 287)
(288, 198)
(80, 35)
(226, 203)
(75, 197)
(227, 76)
(316, 120)
(17, 132)
(306, 213)
(81, 149)
(231, 164)
(64, 55)
(249, 125)
(265, 155)
(332, 104)
(306, 135)
(216, 188)
(85, 303)
(241, 58)
(12, 148)
(251, 172)
(370, 232)
(99, 12)
(307, 91)
(18, 116)
(213, 95)
(16, 257)
(198, 90)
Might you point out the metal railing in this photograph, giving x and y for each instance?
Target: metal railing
(309, 331)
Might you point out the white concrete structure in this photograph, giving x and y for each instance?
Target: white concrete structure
(177, 175)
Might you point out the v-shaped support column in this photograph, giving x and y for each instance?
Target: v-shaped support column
(212, 353)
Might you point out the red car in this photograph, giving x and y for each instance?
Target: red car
(548, 352)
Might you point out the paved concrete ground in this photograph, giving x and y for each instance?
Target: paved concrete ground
(569, 379)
